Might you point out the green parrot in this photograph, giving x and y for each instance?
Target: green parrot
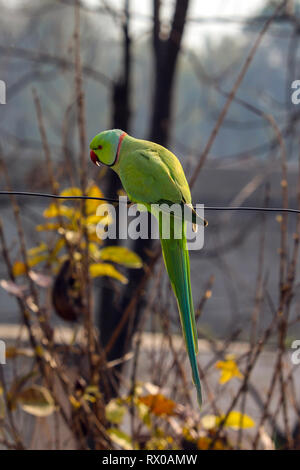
(151, 174)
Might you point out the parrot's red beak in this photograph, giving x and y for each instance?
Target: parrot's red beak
(94, 158)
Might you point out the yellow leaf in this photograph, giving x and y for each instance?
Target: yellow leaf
(95, 219)
(234, 420)
(237, 420)
(18, 268)
(16, 387)
(121, 255)
(94, 251)
(71, 192)
(37, 249)
(57, 247)
(36, 400)
(12, 352)
(209, 421)
(37, 259)
(93, 390)
(55, 209)
(93, 237)
(205, 443)
(89, 398)
(158, 404)
(229, 370)
(115, 412)
(143, 412)
(75, 403)
(95, 231)
(105, 269)
(91, 205)
(120, 438)
(77, 256)
(39, 351)
(158, 443)
(45, 227)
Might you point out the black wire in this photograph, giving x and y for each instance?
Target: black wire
(107, 199)
(248, 208)
(55, 196)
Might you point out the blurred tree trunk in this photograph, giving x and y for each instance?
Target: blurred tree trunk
(165, 55)
(165, 52)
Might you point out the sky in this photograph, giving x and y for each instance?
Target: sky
(197, 32)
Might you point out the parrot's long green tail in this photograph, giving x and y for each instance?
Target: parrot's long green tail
(176, 259)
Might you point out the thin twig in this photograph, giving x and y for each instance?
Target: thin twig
(233, 92)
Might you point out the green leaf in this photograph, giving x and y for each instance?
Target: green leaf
(121, 255)
(105, 269)
(115, 411)
(37, 401)
(120, 438)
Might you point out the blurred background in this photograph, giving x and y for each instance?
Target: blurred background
(185, 74)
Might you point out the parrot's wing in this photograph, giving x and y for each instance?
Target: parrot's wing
(187, 212)
(176, 172)
(146, 178)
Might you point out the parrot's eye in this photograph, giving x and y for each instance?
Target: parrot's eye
(94, 158)
(100, 147)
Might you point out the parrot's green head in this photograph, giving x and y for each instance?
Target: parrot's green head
(105, 147)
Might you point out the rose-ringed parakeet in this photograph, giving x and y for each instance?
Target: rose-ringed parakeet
(151, 174)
